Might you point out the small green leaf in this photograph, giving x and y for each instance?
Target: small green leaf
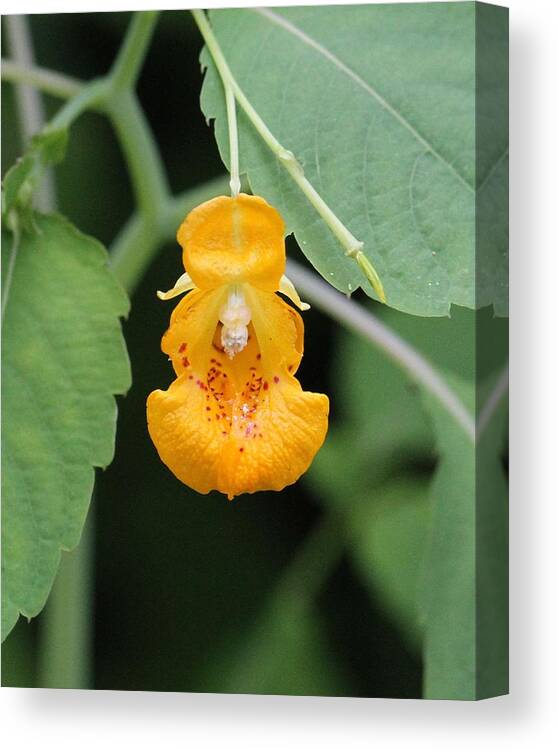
(14, 181)
(46, 148)
(379, 104)
(51, 145)
(63, 359)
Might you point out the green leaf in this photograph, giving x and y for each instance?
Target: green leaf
(286, 653)
(465, 583)
(389, 532)
(45, 149)
(378, 104)
(63, 359)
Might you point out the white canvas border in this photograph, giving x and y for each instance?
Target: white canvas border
(64, 719)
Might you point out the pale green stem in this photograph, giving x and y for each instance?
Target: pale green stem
(67, 622)
(47, 81)
(29, 103)
(128, 63)
(92, 96)
(233, 141)
(366, 324)
(144, 163)
(140, 152)
(82, 96)
(352, 246)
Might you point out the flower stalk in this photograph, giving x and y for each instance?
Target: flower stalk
(353, 247)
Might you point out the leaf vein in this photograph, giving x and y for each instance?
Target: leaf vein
(288, 26)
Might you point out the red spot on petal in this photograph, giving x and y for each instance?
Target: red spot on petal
(265, 385)
(275, 379)
(185, 361)
(258, 356)
(241, 450)
(182, 348)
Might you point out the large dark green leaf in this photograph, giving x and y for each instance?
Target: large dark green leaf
(378, 104)
(63, 359)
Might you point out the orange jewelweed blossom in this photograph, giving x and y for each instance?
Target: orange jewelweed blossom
(235, 419)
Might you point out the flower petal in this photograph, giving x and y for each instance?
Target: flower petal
(183, 284)
(233, 240)
(189, 338)
(287, 288)
(242, 424)
(188, 442)
(275, 445)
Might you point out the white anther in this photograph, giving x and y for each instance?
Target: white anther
(235, 317)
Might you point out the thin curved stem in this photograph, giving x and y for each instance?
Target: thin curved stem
(92, 96)
(353, 247)
(29, 103)
(83, 96)
(233, 141)
(142, 157)
(366, 324)
(128, 63)
(47, 81)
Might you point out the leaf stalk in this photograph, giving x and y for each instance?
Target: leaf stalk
(352, 246)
